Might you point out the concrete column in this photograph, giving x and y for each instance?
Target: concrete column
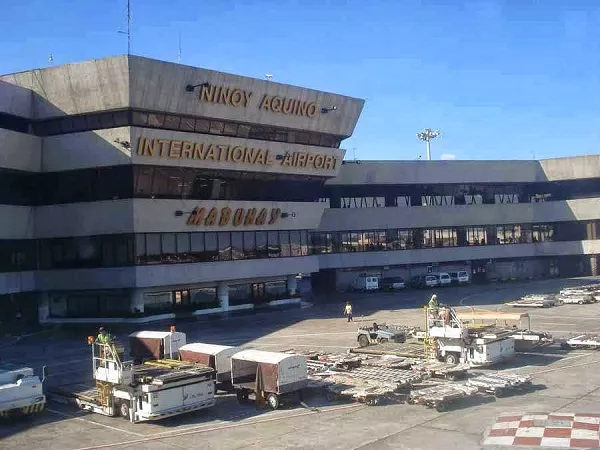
(43, 307)
(137, 301)
(594, 265)
(292, 284)
(223, 296)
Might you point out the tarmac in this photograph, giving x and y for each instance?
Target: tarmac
(567, 382)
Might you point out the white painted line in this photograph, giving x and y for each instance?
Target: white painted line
(555, 323)
(71, 417)
(567, 367)
(279, 336)
(259, 344)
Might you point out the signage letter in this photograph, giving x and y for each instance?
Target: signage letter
(211, 219)
(225, 216)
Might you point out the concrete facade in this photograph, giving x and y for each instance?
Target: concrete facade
(211, 231)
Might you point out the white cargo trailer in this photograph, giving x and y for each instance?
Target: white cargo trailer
(217, 357)
(269, 375)
(145, 345)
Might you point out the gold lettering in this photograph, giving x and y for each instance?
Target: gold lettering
(310, 159)
(196, 217)
(199, 151)
(295, 160)
(319, 160)
(223, 151)
(287, 160)
(247, 95)
(275, 214)
(276, 104)
(212, 152)
(288, 105)
(260, 157)
(225, 96)
(296, 104)
(207, 93)
(215, 98)
(328, 162)
(211, 219)
(250, 156)
(301, 159)
(238, 217)
(150, 147)
(237, 154)
(266, 103)
(302, 109)
(334, 162)
(164, 147)
(262, 217)
(236, 97)
(269, 160)
(186, 152)
(175, 150)
(225, 216)
(140, 146)
(312, 110)
(250, 216)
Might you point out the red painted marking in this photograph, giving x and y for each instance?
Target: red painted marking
(526, 424)
(557, 432)
(586, 426)
(525, 440)
(503, 432)
(587, 415)
(559, 417)
(585, 443)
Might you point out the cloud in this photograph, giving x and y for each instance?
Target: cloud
(447, 156)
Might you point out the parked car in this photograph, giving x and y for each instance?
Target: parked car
(392, 284)
(426, 281)
(365, 283)
(444, 279)
(460, 277)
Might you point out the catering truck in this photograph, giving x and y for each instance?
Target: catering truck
(150, 391)
(20, 391)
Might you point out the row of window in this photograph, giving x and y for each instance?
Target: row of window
(127, 181)
(406, 239)
(166, 248)
(115, 250)
(176, 122)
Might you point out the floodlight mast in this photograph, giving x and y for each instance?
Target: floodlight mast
(427, 135)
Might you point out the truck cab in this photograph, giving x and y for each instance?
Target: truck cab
(20, 391)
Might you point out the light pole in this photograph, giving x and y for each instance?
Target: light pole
(427, 135)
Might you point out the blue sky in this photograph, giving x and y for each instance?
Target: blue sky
(507, 79)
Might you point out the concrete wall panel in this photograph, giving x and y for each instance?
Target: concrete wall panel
(160, 86)
(141, 155)
(84, 279)
(458, 215)
(15, 99)
(13, 283)
(16, 222)
(88, 149)
(427, 256)
(570, 168)
(159, 215)
(20, 151)
(84, 219)
(183, 274)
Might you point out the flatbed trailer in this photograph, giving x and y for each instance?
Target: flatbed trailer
(531, 303)
(439, 369)
(499, 383)
(407, 350)
(439, 397)
(586, 341)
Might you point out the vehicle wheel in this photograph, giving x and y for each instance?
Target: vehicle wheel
(363, 340)
(451, 358)
(241, 395)
(440, 407)
(451, 377)
(273, 401)
(499, 392)
(124, 410)
(329, 396)
(580, 302)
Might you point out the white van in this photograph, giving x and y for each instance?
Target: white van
(365, 283)
(460, 277)
(444, 279)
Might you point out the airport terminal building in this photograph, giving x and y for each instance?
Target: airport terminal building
(134, 188)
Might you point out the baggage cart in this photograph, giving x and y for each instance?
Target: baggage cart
(499, 383)
(439, 397)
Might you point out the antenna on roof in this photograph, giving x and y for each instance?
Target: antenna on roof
(268, 76)
(128, 32)
(179, 50)
(354, 153)
(50, 59)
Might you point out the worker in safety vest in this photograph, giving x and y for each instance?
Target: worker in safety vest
(433, 302)
(103, 336)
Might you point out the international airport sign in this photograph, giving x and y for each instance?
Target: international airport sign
(209, 217)
(237, 154)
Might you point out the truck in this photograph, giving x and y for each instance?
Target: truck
(379, 333)
(151, 391)
(21, 391)
(448, 339)
(366, 283)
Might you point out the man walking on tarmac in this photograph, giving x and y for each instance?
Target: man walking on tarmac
(348, 311)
